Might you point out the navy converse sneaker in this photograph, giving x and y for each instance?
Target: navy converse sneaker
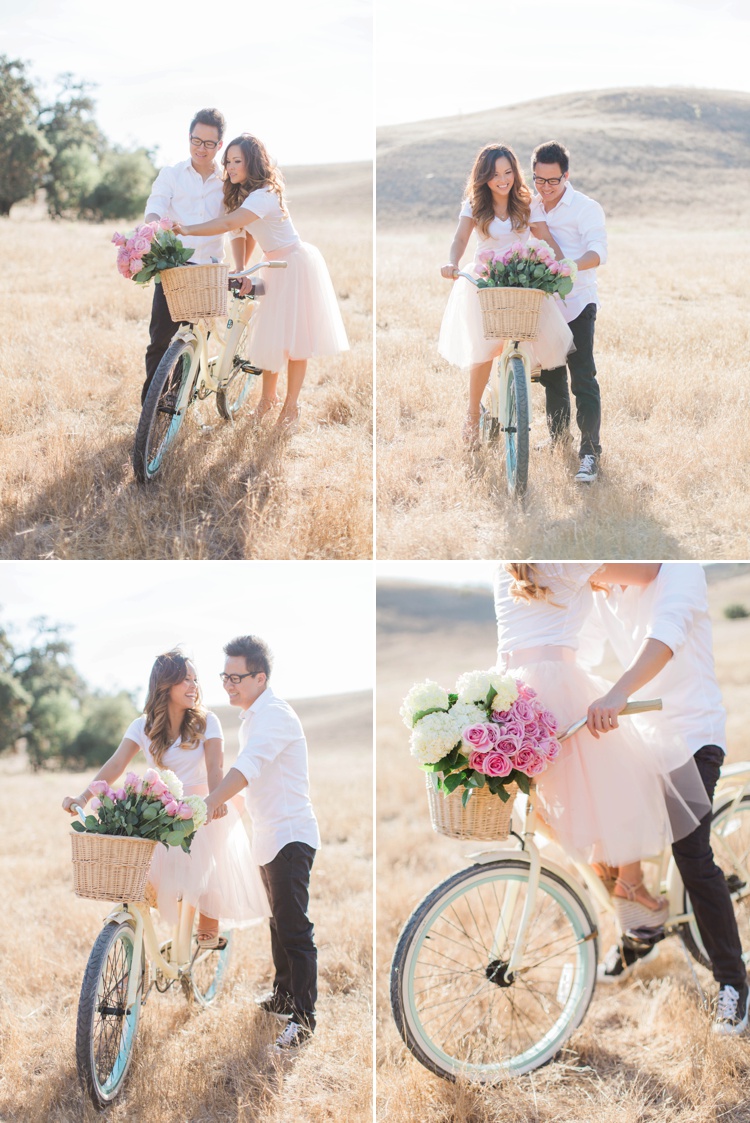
(731, 1009)
(620, 962)
(292, 1038)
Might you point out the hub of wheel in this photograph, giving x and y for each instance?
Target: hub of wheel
(497, 972)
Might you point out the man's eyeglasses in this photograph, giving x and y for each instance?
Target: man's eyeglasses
(207, 144)
(236, 679)
(554, 182)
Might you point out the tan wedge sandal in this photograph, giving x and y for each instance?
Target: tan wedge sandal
(632, 913)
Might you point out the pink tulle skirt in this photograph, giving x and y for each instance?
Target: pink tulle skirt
(462, 340)
(219, 876)
(299, 317)
(618, 799)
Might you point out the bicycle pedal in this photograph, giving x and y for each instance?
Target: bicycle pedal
(641, 939)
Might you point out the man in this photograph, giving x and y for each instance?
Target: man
(272, 768)
(191, 191)
(662, 633)
(577, 225)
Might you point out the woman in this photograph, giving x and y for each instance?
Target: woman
(219, 875)
(498, 207)
(610, 801)
(299, 316)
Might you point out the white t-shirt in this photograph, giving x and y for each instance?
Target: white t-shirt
(273, 760)
(188, 764)
(500, 235)
(537, 623)
(273, 229)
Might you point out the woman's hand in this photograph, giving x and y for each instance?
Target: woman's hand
(220, 811)
(180, 228)
(69, 801)
(540, 230)
(450, 272)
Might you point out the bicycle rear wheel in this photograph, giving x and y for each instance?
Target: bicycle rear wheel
(455, 1005)
(244, 381)
(208, 967)
(730, 840)
(160, 419)
(517, 429)
(105, 1030)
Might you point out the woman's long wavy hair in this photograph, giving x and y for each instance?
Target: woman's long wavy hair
(168, 670)
(480, 196)
(260, 172)
(527, 586)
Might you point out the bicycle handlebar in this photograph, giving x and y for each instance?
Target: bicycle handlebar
(630, 708)
(261, 265)
(77, 807)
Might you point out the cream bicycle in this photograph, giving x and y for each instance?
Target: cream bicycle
(506, 403)
(187, 373)
(126, 963)
(496, 967)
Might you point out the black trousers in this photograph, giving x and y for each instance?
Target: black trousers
(707, 886)
(583, 384)
(161, 330)
(295, 957)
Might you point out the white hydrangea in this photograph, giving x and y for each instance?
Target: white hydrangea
(474, 686)
(435, 735)
(198, 805)
(423, 696)
(466, 713)
(174, 783)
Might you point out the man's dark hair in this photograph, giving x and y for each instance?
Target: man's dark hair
(253, 650)
(210, 117)
(551, 153)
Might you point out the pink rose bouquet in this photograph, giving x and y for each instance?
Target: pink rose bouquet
(526, 267)
(148, 249)
(149, 806)
(493, 731)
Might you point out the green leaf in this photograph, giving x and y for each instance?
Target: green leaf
(466, 796)
(78, 826)
(522, 780)
(92, 823)
(151, 811)
(452, 698)
(450, 783)
(480, 779)
(423, 713)
(174, 838)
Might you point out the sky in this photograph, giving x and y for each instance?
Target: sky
(317, 617)
(435, 58)
(298, 75)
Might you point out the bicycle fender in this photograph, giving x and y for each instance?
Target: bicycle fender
(119, 914)
(484, 857)
(185, 333)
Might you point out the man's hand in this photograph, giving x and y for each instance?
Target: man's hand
(602, 715)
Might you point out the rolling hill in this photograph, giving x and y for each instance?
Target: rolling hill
(649, 153)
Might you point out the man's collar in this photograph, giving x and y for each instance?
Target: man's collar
(261, 701)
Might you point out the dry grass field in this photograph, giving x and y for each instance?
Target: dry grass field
(671, 345)
(73, 339)
(645, 1053)
(209, 1067)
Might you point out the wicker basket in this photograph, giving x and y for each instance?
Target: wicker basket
(484, 817)
(510, 313)
(195, 292)
(109, 868)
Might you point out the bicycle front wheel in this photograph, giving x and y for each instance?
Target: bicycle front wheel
(161, 417)
(105, 1029)
(244, 381)
(730, 841)
(459, 1010)
(208, 967)
(517, 429)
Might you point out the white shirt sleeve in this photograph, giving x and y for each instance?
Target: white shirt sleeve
(262, 202)
(135, 732)
(679, 592)
(466, 210)
(160, 199)
(592, 229)
(213, 727)
(271, 731)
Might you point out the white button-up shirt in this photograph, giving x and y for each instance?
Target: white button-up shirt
(273, 760)
(674, 610)
(577, 225)
(180, 193)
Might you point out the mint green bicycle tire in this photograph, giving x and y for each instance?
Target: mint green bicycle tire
(105, 1031)
(157, 427)
(455, 1008)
